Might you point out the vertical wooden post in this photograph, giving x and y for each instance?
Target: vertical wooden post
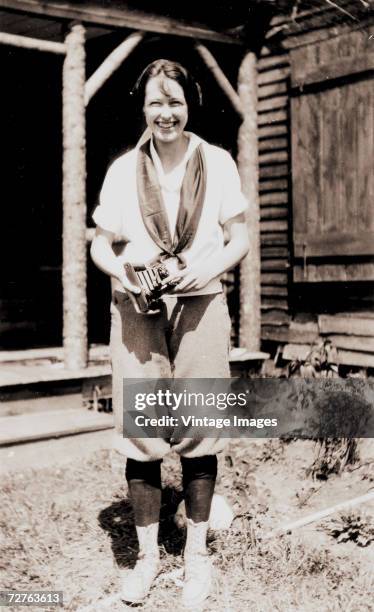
(74, 201)
(250, 270)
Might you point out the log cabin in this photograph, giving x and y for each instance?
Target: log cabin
(288, 89)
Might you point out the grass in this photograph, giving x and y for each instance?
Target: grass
(71, 529)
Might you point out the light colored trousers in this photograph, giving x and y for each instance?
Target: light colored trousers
(189, 338)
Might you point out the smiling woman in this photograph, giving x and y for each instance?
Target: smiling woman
(170, 199)
(165, 109)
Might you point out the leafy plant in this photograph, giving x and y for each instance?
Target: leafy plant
(321, 362)
(352, 526)
(333, 454)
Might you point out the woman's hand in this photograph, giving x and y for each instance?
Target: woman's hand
(103, 256)
(127, 285)
(199, 274)
(193, 277)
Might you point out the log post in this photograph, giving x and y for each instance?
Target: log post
(74, 201)
(250, 269)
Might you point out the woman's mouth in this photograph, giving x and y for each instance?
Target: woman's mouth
(166, 126)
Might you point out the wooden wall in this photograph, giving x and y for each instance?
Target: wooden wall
(299, 310)
(332, 113)
(274, 158)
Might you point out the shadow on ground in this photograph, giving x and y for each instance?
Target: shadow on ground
(118, 521)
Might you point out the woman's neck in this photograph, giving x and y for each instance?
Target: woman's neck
(171, 153)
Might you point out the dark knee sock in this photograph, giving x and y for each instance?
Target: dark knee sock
(199, 478)
(144, 480)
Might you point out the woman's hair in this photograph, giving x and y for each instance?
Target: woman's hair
(170, 70)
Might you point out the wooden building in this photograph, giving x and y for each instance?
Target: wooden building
(299, 71)
(316, 153)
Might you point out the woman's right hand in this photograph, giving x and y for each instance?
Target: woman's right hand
(127, 285)
(132, 291)
(103, 256)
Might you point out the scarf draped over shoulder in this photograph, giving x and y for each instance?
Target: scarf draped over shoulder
(152, 207)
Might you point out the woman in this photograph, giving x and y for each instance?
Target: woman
(170, 199)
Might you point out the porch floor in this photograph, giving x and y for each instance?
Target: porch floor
(46, 365)
(40, 399)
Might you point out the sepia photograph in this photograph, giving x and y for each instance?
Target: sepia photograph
(187, 306)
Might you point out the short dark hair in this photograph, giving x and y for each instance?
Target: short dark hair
(171, 70)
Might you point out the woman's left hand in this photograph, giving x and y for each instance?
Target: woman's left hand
(193, 277)
(199, 274)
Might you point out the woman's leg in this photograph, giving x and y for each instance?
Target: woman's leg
(139, 351)
(199, 352)
(144, 481)
(199, 477)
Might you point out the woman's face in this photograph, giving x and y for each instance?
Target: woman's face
(165, 109)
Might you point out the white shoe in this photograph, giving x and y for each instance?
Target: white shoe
(138, 581)
(197, 579)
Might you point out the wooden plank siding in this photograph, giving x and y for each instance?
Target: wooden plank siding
(333, 153)
(274, 160)
(351, 333)
(306, 300)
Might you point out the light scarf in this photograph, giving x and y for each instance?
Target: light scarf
(152, 207)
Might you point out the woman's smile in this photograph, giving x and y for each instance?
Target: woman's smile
(166, 126)
(166, 123)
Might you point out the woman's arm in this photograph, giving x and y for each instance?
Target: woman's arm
(104, 258)
(199, 275)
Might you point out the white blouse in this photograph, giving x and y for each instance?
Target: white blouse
(119, 211)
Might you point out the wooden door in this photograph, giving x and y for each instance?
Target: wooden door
(332, 115)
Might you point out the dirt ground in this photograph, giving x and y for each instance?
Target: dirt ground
(69, 527)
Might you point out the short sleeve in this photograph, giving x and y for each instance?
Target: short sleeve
(233, 200)
(108, 215)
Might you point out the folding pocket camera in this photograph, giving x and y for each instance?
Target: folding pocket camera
(149, 280)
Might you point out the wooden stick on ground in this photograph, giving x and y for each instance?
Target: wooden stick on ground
(110, 64)
(220, 77)
(26, 42)
(317, 516)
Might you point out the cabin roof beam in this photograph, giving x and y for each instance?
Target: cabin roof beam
(36, 44)
(121, 18)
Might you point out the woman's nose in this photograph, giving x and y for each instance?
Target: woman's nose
(165, 111)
